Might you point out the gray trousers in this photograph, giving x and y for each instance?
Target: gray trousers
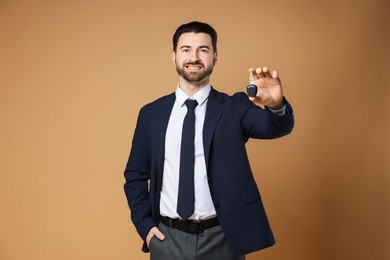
(178, 245)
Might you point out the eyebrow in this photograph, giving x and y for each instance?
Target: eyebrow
(200, 47)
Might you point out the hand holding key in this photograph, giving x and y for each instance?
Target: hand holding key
(269, 88)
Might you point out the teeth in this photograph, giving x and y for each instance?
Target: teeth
(193, 68)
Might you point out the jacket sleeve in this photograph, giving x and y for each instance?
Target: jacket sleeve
(262, 123)
(137, 174)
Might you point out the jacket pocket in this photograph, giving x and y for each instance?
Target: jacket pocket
(251, 195)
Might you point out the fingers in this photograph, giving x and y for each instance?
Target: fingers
(260, 73)
(264, 72)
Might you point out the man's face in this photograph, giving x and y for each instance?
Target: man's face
(194, 57)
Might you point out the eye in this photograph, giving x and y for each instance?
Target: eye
(185, 50)
(204, 50)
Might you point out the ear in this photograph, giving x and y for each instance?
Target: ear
(174, 57)
(215, 58)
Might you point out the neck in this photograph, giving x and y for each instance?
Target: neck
(191, 88)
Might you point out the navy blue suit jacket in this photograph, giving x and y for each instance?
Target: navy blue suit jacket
(229, 122)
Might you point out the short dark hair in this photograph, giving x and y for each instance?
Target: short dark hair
(195, 27)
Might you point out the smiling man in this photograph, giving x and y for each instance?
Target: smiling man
(189, 184)
(194, 58)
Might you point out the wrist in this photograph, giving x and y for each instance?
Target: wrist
(277, 106)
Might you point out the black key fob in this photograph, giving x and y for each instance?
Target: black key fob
(251, 89)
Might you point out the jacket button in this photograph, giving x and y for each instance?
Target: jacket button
(209, 179)
(217, 205)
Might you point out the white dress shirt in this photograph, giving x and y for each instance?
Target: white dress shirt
(204, 207)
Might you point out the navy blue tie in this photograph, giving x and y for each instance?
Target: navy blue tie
(186, 198)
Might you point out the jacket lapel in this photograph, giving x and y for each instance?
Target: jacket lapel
(215, 107)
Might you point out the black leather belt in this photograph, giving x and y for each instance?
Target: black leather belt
(190, 226)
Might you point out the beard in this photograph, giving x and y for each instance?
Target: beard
(194, 76)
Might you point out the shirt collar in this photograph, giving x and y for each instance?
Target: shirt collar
(200, 96)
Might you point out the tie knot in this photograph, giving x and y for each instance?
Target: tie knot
(191, 103)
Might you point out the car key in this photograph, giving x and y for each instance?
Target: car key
(251, 89)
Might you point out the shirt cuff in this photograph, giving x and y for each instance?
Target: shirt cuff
(279, 112)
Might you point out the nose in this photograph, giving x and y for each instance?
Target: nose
(194, 56)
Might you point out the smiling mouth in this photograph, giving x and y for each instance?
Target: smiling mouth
(193, 67)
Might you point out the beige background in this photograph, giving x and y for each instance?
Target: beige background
(73, 75)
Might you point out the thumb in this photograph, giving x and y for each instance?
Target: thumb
(257, 101)
(158, 233)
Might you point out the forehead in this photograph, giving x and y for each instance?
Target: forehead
(194, 39)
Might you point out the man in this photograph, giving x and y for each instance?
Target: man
(189, 184)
